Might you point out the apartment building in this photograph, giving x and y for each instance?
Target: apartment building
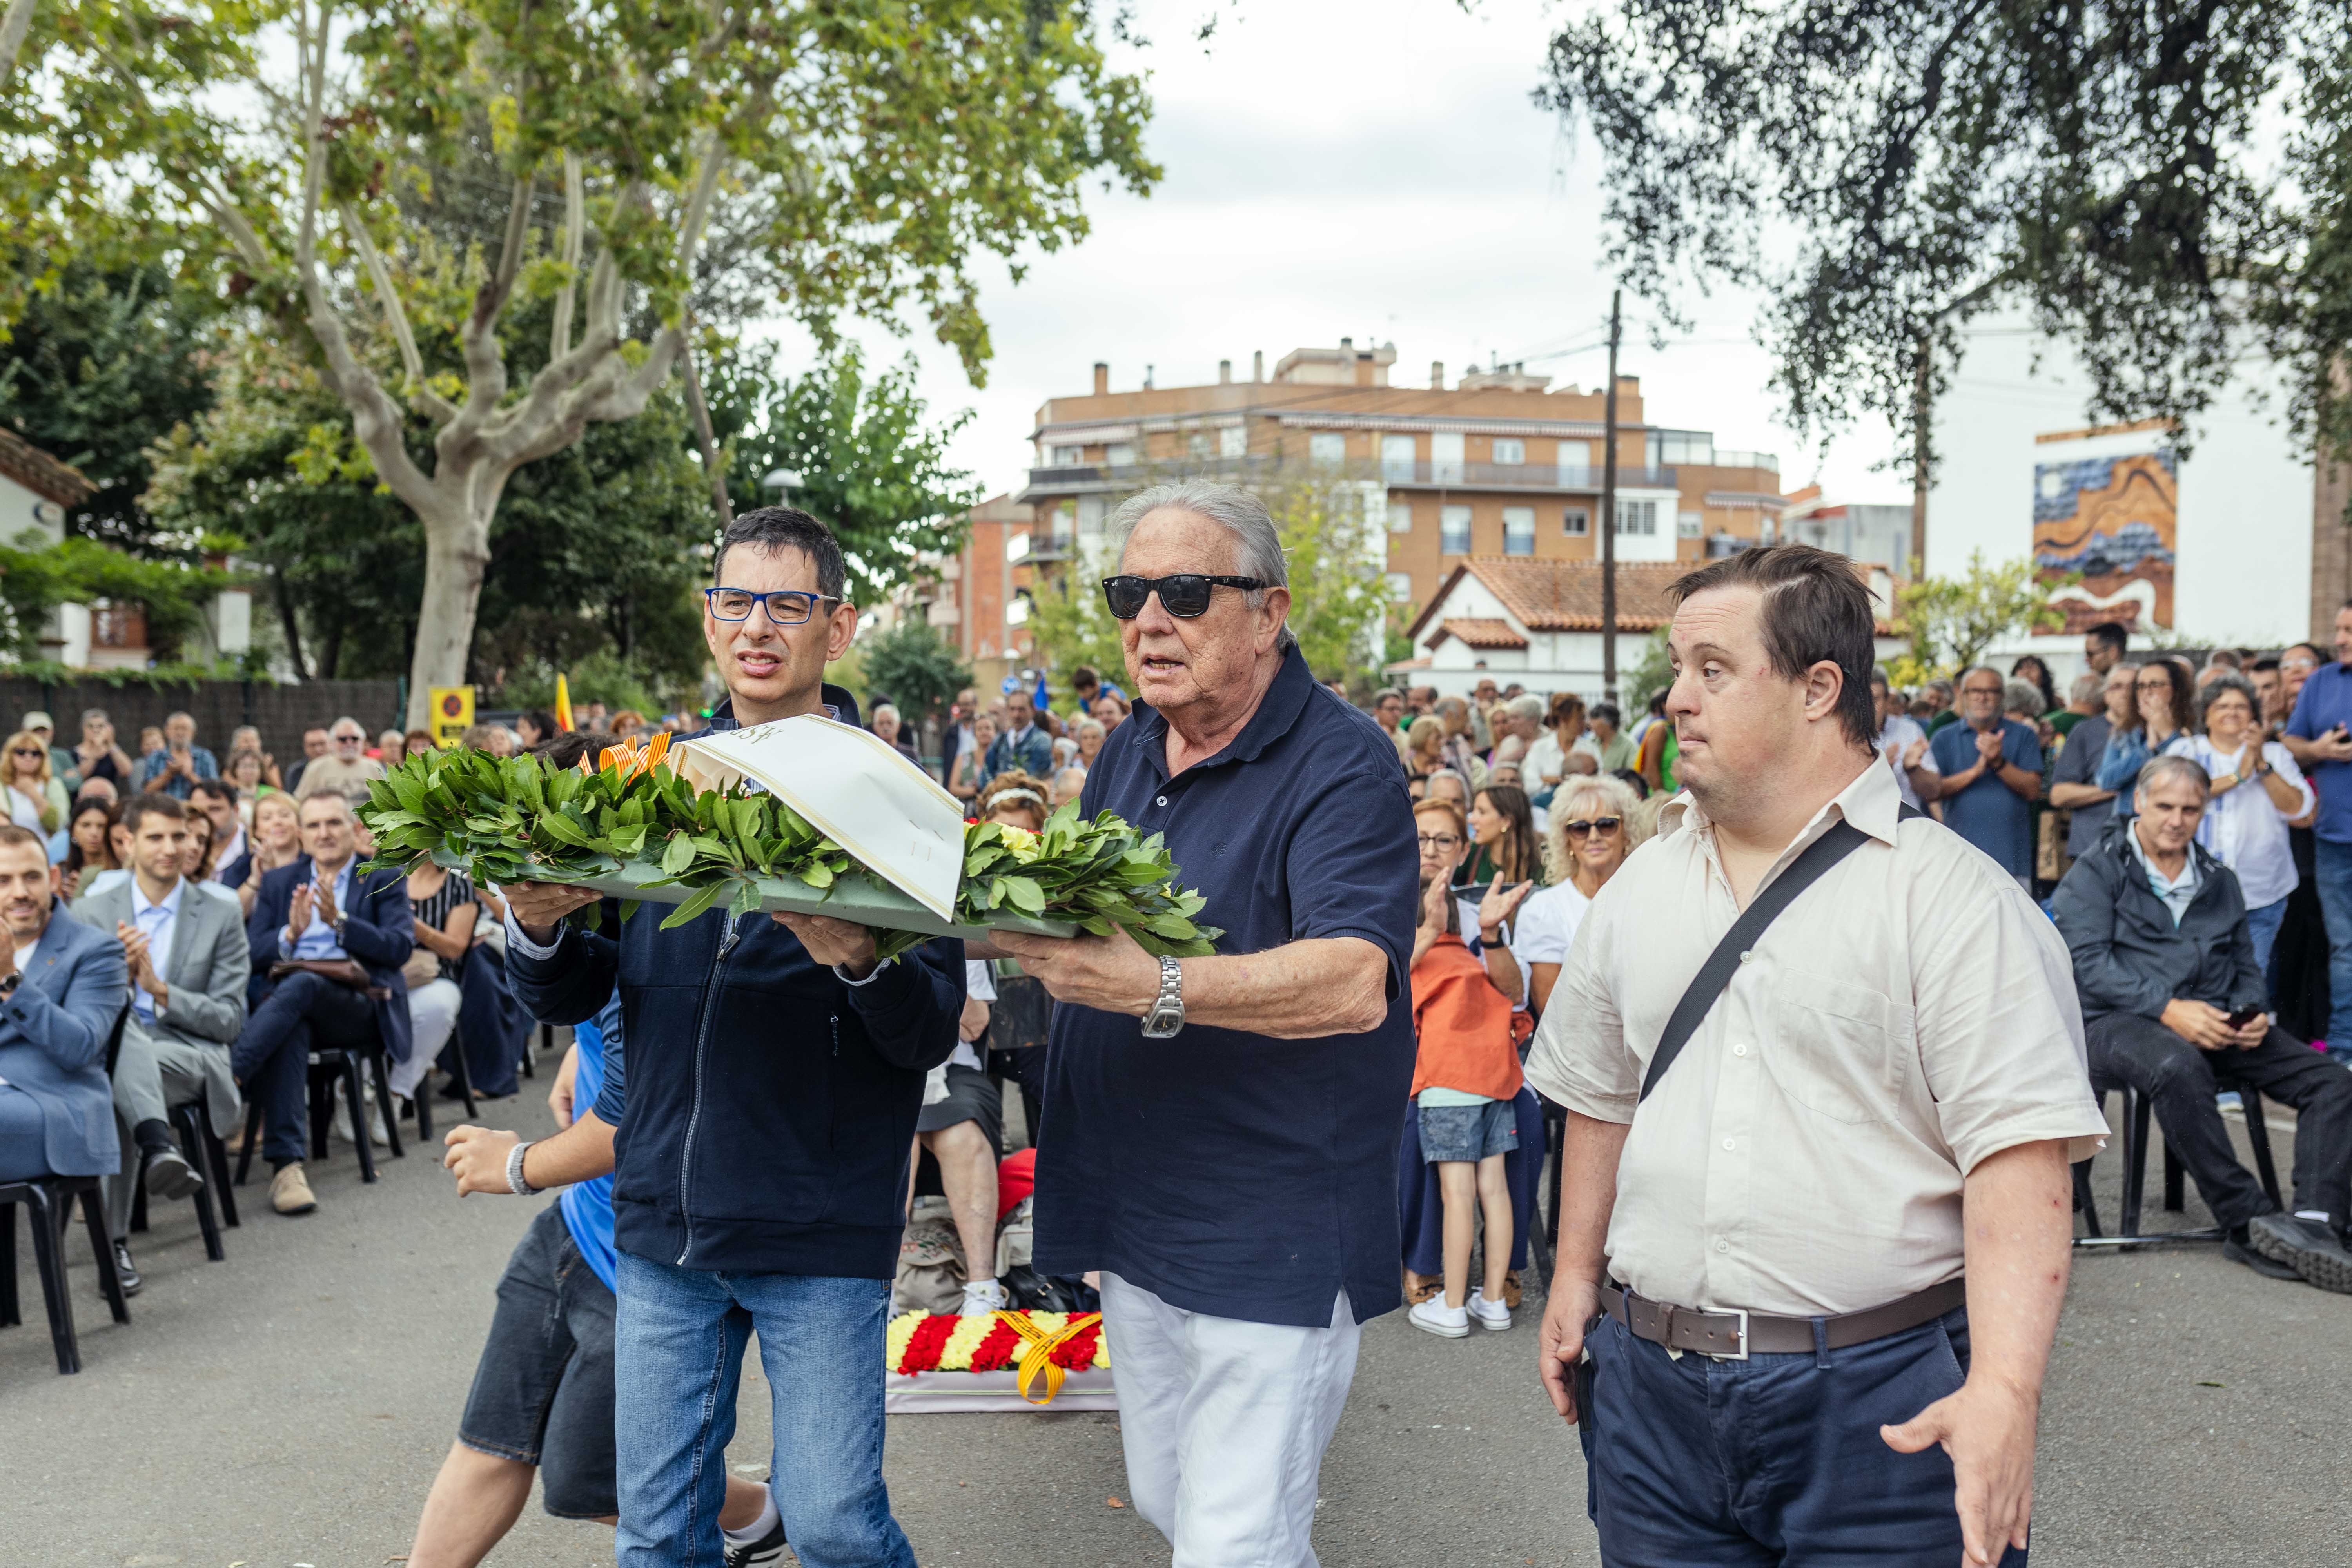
(1497, 464)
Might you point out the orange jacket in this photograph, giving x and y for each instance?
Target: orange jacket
(1462, 1024)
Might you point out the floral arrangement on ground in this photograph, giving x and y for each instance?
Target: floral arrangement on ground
(926, 1341)
(516, 819)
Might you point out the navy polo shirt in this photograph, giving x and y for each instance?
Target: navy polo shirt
(1988, 813)
(2325, 702)
(1224, 1172)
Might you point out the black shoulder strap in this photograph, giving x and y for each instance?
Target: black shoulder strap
(1842, 840)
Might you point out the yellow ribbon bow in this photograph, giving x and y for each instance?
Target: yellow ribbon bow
(1039, 1357)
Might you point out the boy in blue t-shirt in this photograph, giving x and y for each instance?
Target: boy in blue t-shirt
(542, 1395)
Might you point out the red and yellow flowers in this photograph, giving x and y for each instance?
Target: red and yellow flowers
(1041, 1346)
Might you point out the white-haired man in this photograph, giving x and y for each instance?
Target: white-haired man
(1237, 1188)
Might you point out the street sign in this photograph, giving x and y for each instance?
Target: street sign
(453, 713)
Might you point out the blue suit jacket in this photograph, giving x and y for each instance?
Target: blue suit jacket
(1033, 755)
(378, 930)
(53, 1035)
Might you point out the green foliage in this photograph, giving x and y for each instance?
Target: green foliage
(1068, 623)
(518, 818)
(100, 365)
(36, 577)
(595, 549)
(1951, 621)
(1651, 674)
(2147, 179)
(869, 467)
(603, 676)
(919, 673)
(1335, 545)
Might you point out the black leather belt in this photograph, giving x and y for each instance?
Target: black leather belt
(1738, 1334)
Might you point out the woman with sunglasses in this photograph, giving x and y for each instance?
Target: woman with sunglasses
(37, 797)
(1595, 824)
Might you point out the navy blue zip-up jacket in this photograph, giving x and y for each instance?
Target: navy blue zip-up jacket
(770, 1104)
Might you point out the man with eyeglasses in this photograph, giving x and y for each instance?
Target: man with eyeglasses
(346, 771)
(2074, 783)
(174, 770)
(1989, 771)
(1236, 1186)
(2319, 736)
(775, 1074)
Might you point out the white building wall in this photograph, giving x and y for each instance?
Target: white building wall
(2242, 573)
(20, 509)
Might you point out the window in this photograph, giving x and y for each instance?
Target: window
(1120, 454)
(1065, 525)
(1396, 458)
(1453, 530)
(1577, 523)
(1069, 457)
(1233, 441)
(1196, 444)
(1667, 448)
(1689, 524)
(1509, 450)
(1327, 448)
(1575, 464)
(1399, 517)
(1400, 586)
(1637, 517)
(1518, 531)
(1090, 517)
(1445, 458)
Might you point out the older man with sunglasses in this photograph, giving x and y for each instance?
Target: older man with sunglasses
(1236, 1185)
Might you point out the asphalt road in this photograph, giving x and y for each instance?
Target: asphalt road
(290, 1406)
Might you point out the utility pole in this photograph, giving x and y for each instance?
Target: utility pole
(1609, 515)
(1923, 414)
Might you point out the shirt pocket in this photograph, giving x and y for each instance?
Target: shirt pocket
(1838, 1050)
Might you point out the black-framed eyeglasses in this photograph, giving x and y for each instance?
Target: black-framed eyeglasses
(786, 607)
(1598, 825)
(1184, 593)
(1439, 841)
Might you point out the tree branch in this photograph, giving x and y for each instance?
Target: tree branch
(438, 408)
(13, 28)
(575, 223)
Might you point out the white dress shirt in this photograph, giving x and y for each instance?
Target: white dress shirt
(157, 922)
(1911, 1015)
(1547, 923)
(2244, 828)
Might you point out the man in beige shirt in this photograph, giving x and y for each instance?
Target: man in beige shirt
(1782, 1371)
(346, 770)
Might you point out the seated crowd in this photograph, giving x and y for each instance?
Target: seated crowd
(219, 913)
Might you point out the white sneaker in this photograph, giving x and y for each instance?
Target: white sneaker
(1433, 1316)
(981, 1298)
(343, 1124)
(1487, 1314)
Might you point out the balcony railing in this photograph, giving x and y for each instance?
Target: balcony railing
(1534, 477)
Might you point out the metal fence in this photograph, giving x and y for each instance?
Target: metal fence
(281, 712)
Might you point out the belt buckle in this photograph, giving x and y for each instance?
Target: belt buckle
(1741, 1354)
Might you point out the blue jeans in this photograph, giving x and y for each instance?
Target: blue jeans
(2333, 870)
(2263, 926)
(1772, 1460)
(677, 1360)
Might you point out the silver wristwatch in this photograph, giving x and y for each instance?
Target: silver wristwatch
(515, 1183)
(1167, 1015)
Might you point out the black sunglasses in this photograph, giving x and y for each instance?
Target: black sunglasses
(1184, 593)
(1579, 828)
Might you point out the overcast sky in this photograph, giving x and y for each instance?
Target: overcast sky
(1372, 170)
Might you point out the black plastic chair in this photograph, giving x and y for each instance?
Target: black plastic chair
(462, 1073)
(203, 1151)
(2137, 1115)
(51, 1200)
(331, 1068)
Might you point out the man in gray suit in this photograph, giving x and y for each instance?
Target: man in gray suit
(61, 987)
(188, 960)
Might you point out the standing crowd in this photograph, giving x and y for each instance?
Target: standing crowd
(1467, 939)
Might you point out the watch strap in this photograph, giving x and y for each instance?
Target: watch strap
(515, 1182)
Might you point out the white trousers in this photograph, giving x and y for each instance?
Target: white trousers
(1225, 1423)
(433, 1014)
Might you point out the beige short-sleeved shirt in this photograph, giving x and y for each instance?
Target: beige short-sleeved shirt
(1911, 1014)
